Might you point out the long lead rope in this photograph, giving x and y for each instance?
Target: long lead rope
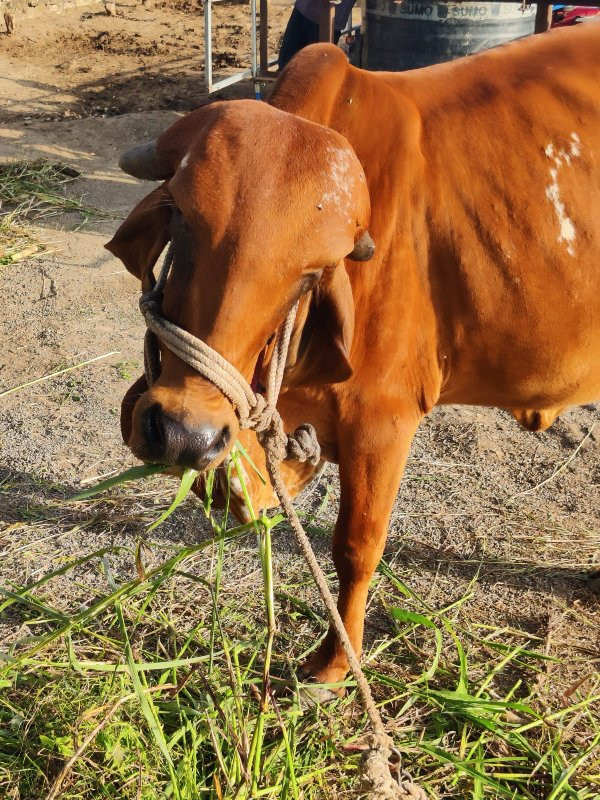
(259, 413)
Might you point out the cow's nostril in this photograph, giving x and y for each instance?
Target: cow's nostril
(169, 441)
(203, 445)
(225, 437)
(153, 429)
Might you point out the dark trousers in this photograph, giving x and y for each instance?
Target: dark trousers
(299, 32)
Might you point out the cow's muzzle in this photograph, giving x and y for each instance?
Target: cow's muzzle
(159, 425)
(167, 440)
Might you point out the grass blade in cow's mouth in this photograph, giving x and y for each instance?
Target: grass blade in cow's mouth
(133, 474)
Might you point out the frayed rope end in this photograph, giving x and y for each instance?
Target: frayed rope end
(378, 783)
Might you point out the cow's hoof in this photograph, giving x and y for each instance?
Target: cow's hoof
(311, 696)
(314, 690)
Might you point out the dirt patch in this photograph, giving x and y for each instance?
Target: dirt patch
(147, 58)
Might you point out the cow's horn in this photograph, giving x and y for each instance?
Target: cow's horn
(144, 162)
(364, 248)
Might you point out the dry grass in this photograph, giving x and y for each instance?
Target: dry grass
(31, 191)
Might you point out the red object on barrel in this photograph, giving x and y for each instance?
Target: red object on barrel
(572, 15)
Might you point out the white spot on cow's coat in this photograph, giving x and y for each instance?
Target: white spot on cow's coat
(575, 141)
(184, 161)
(340, 181)
(562, 157)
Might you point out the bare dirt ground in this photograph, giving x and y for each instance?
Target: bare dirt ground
(510, 516)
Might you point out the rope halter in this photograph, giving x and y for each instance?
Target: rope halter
(254, 411)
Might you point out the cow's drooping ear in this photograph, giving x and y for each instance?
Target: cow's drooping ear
(141, 238)
(324, 350)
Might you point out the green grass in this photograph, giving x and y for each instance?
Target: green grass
(168, 683)
(126, 369)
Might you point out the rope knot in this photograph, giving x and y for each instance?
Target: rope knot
(303, 445)
(259, 416)
(270, 433)
(265, 420)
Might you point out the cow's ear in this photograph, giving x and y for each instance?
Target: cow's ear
(142, 237)
(324, 349)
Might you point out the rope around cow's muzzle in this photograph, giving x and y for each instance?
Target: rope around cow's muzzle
(259, 413)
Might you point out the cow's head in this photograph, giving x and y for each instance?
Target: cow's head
(262, 208)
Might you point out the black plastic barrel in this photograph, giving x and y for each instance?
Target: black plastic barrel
(405, 35)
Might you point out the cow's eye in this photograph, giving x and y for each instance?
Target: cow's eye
(310, 280)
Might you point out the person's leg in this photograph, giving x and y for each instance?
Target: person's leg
(299, 32)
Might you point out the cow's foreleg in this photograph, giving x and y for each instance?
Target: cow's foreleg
(372, 458)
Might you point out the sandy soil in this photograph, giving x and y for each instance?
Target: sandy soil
(516, 514)
(150, 57)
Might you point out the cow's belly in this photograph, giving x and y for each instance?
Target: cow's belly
(525, 374)
(524, 332)
(485, 392)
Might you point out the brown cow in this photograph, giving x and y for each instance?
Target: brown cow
(483, 178)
